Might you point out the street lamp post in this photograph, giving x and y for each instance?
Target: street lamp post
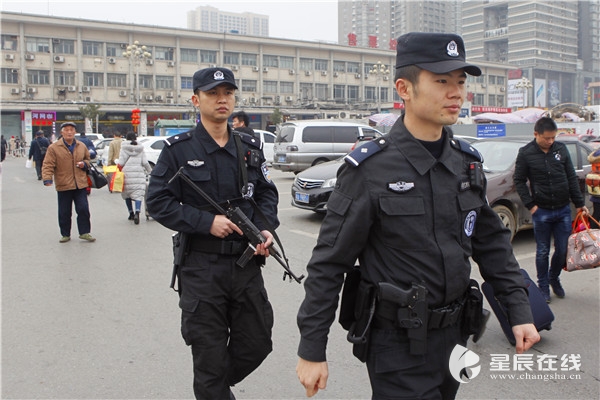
(136, 53)
(524, 84)
(379, 70)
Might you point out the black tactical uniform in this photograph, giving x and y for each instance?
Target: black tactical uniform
(226, 315)
(408, 218)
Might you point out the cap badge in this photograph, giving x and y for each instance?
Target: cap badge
(452, 49)
(218, 76)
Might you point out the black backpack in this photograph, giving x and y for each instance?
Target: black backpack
(42, 149)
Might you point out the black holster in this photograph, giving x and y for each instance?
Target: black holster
(180, 248)
(474, 318)
(364, 311)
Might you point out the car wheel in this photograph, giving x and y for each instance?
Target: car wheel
(319, 161)
(507, 218)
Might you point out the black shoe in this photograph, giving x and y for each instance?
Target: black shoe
(130, 216)
(557, 288)
(136, 218)
(546, 293)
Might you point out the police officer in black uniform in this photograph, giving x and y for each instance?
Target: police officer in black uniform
(226, 316)
(410, 209)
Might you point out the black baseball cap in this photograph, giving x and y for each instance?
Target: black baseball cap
(208, 78)
(435, 52)
(38, 133)
(69, 123)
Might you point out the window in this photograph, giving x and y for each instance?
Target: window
(93, 79)
(164, 53)
(352, 67)
(270, 86)
(165, 82)
(500, 80)
(208, 56)
(286, 87)
(189, 55)
(38, 77)
(383, 93)
(345, 134)
(286, 62)
(339, 66)
(231, 58)
(339, 92)
(478, 100)
(321, 91)
(370, 93)
(249, 59)
(9, 75)
(146, 82)
(249, 85)
(306, 91)
(321, 65)
(9, 42)
(91, 48)
(270, 61)
(353, 93)
(64, 47)
(37, 45)
(116, 80)
(306, 64)
(64, 78)
(187, 82)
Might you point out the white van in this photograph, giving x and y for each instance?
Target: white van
(302, 144)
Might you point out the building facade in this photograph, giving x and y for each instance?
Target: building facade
(56, 65)
(211, 19)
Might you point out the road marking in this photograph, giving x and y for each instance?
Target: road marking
(304, 233)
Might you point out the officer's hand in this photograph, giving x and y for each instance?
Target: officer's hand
(526, 335)
(223, 227)
(312, 375)
(263, 249)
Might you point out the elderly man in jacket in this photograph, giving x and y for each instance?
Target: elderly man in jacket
(67, 161)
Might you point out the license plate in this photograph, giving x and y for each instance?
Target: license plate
(301, 197)
(281, 159)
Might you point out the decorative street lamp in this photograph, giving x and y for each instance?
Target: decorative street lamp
(379, 70)
(136, 53)
(524, 84)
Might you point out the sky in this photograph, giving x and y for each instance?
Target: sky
(290, 19)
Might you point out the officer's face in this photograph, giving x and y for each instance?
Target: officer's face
(215, 104)
(434, 101)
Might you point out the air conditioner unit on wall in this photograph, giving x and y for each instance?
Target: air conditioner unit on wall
(123, 93)
(357, 76)
(29, 57)
(234, 67)
(71, 88)
(112, 60)
(14, 91)
(149, 62)
(265, 69)
(31, 90)
(292, 72)
(386, 78)
(59, 59)
(149, 97)
(289, 98)
(56, 41)
(307, 73)
(171, 64)
(158, 98)
(336, 74)
(170, 101)
(323, 73)
(9, 57)
(85, 89)
(169, 94)
(88, 99)
(255, 69)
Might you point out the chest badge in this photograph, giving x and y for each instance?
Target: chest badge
(195, 163)
(401, 186)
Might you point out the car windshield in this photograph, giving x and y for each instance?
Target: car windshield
(286, 134)
(498, 155)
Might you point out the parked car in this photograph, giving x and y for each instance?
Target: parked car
(102, 151)
(268, 140)
(153, 145)
(302, 144)
(312, 187)
(499, 156)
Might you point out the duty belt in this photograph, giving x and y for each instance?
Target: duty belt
(223, 247)
(387, 312)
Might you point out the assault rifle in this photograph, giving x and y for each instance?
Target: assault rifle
(237, 216)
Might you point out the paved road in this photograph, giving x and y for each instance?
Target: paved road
(98, 320)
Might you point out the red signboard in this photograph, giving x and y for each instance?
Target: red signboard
(351, 39)
(41, 118)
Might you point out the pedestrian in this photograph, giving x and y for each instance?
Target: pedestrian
(37, 151)
(114, 148)
(66, 162)
(593, 186)
(3, 148)
(409, 209)
(241, 122)
(135, 166)
(546, 165)
(226, 315)
(88, 143)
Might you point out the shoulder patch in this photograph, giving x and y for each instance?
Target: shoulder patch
(365, 151)
(171, 140)
(466, 147)
(250, 140)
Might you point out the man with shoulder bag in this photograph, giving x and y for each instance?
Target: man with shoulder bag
(37, 151)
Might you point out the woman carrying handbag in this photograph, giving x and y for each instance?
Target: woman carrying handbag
(135, 166)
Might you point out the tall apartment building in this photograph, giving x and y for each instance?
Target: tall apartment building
(553, 43)
(211, 19)
(372, 23)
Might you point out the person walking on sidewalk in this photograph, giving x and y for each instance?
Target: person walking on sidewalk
(67, 161)
(37, 151)
(547, 165)
(135, 166)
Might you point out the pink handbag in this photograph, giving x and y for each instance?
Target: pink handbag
(583, 248)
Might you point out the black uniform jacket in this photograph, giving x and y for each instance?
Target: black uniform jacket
(215, 170)
(407, 217)
(551, 176)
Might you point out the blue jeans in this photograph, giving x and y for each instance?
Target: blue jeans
(65, 210)
(129, 203)
(546, 224)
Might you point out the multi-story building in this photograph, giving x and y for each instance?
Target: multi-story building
(211, 19)
(56, 65)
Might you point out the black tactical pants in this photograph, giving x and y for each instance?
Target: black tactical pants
(396, 374)
(226, 319)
